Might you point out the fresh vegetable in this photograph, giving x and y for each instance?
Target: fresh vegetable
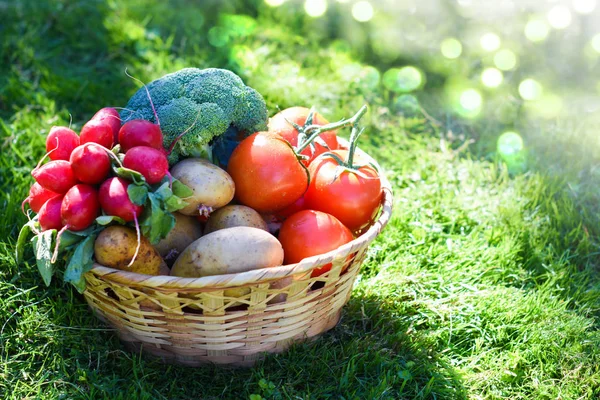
(211, 186)
(110, 116)
(115, 248)
(97, 131)
(298, 205)
(229, 251)
(115, 201)
(309, 233)
(37, 197)
(56, 176)
(200, 103)
(60, 142)
(234, 215)
(185, 231)
(139, 132)
(148, 161)
(352, 195)
(282, 124)
(49, 215)
(90, 163)
(267, 173)
(79, 207)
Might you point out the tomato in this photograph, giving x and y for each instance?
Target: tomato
(267, 173)
(298, 115)
(298, 205)
(309, 233)
(348, 196)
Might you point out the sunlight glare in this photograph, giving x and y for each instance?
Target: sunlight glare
(530, 89)
(559, 17)
(362, 11)
(315, 8)
(490, 42)
(491, 77)
(451, 48)
(536, 30)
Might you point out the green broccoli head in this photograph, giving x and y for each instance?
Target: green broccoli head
(205, 102)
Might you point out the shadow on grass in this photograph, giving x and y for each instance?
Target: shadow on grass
(371, 354)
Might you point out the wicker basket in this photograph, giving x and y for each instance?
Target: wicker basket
(189, 321)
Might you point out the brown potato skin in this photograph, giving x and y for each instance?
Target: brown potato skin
(212, 186)
(229, 251)
(186, 230)
(115, 246)
(232, 216)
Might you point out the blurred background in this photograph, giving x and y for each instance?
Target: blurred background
(514, 76)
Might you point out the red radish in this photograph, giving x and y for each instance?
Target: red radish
(111, 117)
(49, 215)
(37, 197)
(139, 132)
(60, 142)
(90, 163)
(80, 207)
(150, 162)
(97, 131)
(114, 200)
(56, 176)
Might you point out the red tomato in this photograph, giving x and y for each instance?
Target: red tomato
(298, 205)
(309, 233)
(266, 172)
(279, 125)
(351, 198)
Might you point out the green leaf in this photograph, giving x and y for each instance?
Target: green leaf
(138, 194)
(116, 149)
(163, 192)
(174, 203)
(107, 219)
(80, 263)
(157, 223)
(42, 245)
(68, 239)
(86, 232)
(22, 239)
(181, 190)
(129, 174)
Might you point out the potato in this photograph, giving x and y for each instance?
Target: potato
(229, 251)
(186, 230)
(231, 216)
(115, 247)
(212, 186)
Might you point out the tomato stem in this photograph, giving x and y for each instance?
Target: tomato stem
(318, 129)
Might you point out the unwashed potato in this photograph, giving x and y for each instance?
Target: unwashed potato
(213, 187)
(115, 246)
(229, 251)
(234, 215)
(186, 230)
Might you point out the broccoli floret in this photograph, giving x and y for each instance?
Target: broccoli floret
(205, 101)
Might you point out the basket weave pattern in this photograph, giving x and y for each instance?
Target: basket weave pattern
(191, 321)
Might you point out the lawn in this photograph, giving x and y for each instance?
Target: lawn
(485, 284)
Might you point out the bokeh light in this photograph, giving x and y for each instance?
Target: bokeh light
(530, 89)
(315, 8)
(218, 36)
(362, 11)
(274, 3)
(490, 42)
(596, 42)
(369, 77)
(491, 77)
(584, 6)
(451, 48)
(405, 79)
(536, 30)
(505, 60)
(509, 144)
(471, 100)
(559, 17)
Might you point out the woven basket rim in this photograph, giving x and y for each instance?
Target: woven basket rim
(220, 282)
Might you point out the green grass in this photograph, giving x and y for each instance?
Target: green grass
(485, 285)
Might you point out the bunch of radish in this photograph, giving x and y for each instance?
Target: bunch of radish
(77, 185)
